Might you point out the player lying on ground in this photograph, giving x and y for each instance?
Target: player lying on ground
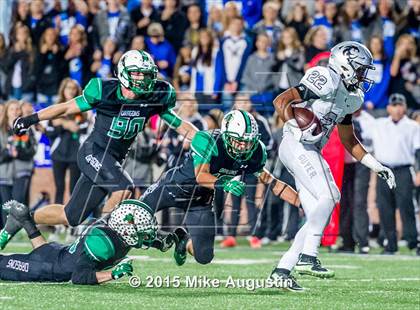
(123, 106)
(214, 161)
(103, 245)
(333, 93)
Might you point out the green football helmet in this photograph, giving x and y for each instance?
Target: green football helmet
(240, 134)
(134, 222)
(131, 64)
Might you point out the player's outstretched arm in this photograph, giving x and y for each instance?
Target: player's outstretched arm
(187, 130)
(356, 149)
(21, 124)
(279, 188)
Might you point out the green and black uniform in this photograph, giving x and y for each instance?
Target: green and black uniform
(118, 121)
(97, 249)
(178, 187)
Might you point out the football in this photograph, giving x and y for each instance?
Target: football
(305, 118)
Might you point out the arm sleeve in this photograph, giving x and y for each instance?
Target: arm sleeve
(305, 93)
(263, 159)
(203, 147)
(170, 117)
(91, 95)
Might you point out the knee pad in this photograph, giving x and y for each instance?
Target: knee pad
(203, 256)
(74, 219)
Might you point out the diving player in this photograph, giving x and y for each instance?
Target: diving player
(103, 245)
(333, 93)
(123, 106)
(216, 162)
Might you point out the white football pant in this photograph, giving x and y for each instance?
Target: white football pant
(318, 194)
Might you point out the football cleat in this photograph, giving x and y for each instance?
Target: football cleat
(255, 243)
(13, 224)
(289, 280)
(228, 242)
(311, 265)
(181, 240)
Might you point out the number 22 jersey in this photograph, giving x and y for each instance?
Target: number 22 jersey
(334, 101)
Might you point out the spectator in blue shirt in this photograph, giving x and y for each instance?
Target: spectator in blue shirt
(377, 96)
(327, 17)
(161, 50)
(67, 18)
(350, 27)
(102, 65)
(270, 25)
(114, 22)
(37, 21)
(234, 51)
(203, 65)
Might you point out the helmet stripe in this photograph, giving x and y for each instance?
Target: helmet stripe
(247, 121)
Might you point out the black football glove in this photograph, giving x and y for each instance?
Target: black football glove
(21, 124)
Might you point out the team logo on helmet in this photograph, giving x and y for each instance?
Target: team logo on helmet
(134, 222)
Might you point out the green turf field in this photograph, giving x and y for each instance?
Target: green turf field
(361, 282)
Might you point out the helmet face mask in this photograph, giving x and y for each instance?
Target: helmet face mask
(137, 72)
(239, 147)
(240, 134)
(135, 223)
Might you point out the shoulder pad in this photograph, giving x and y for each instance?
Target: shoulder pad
(319, 80)
(168, 92)
(98, 245)
(204, 145)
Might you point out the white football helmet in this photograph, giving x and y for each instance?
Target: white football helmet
(352, 61)
(240, 134)
(134, 222)
(137, 61)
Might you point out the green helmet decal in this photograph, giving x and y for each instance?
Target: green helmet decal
(135, 223)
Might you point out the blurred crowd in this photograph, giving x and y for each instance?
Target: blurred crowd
(218, 55)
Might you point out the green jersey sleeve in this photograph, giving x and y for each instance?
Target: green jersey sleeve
(203, 148)
(98, 246)
(170, 117)
(91, 95)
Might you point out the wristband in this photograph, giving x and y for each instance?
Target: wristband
(369, 161)
(32, 119)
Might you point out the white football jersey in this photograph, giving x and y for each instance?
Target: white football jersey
(334, 102)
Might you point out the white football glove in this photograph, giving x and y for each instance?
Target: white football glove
(305, 136)
(383, 172)
(387, 174)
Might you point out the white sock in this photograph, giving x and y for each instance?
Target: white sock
(291, 257)
(316, 223)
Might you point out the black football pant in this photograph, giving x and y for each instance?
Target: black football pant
(402, 198)
(42, 264)
(101, 174)
(200, 219)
